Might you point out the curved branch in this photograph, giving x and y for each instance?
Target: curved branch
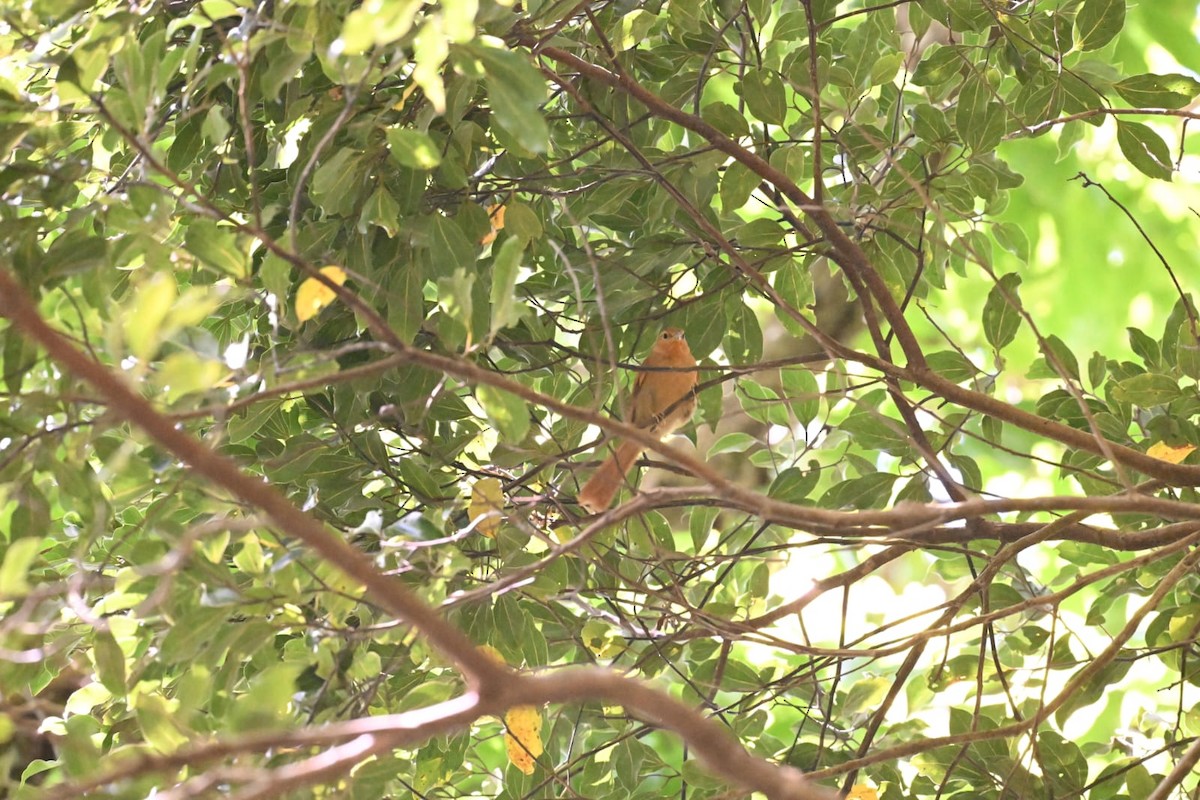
(496, 686)
(225, 472)
(854, 259)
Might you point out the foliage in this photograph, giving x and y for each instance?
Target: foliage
(926, 545)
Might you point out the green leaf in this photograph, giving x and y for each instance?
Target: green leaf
(794, 485)
(980, 115)
(1063, 762)
(420, 481)
(743, 340)
(737, 184)
(952, 365)
(243, 426)
(1187, 352)
(265, 701)
(406, 299)
(1079, 96)
(1147, 390)
(75, 252)
(869, 491)
(764, 94)
(14, 571)
(151, 304)
(1066, 359)
(431, 46)
(801, 392)
(507, 264)
(1000, 319)
(508, 413)
(1094, 690)
(795, 287)
(20, 355)
(877, 434)
(634, 27)
(1145, 347)
(1097, 368)
(522, 221)
(449, 247)
(217, 247)
(1098, 22)
(864, 696)
(377, 23)
(337, 182)
(1138, 780)
(939, 65)
(455, 297)
(761, 402)
(382, 211)
(1012, 238)
(516, 90)
(110, 663)
(1159, 91)
(413, 149)
(1145, 149)
(725, 118)
(704, 324)
(156, 717)
(185, 372)
(736, 442)
(250, 558)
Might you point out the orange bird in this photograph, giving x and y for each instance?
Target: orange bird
(662, 402)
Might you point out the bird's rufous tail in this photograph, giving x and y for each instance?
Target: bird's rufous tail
(598, 493)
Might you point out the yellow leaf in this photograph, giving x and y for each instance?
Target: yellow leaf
(524, 737)
(487, 502)
(312, 296)
(1166, 452)
(862, 792)
(496, 217)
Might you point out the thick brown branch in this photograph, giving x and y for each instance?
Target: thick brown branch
(497, 686)
(224, 472)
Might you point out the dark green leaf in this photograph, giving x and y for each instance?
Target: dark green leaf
(876, 433)
(516, 90)
(1147, 390)
(448, 245)
(869, 491)
(794, 485)
(1098, 22)
(1145, 149)
(1000, 317)
(1159, 91)
(726, 119)
(795, 287)
(980, 116)
(952, 365)
(1096, 370)
(802, 393)
(764, 95)
(737, 184)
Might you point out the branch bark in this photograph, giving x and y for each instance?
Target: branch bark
(495, 686)
(851, 257)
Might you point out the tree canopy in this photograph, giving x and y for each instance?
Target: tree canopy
(315, 316)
